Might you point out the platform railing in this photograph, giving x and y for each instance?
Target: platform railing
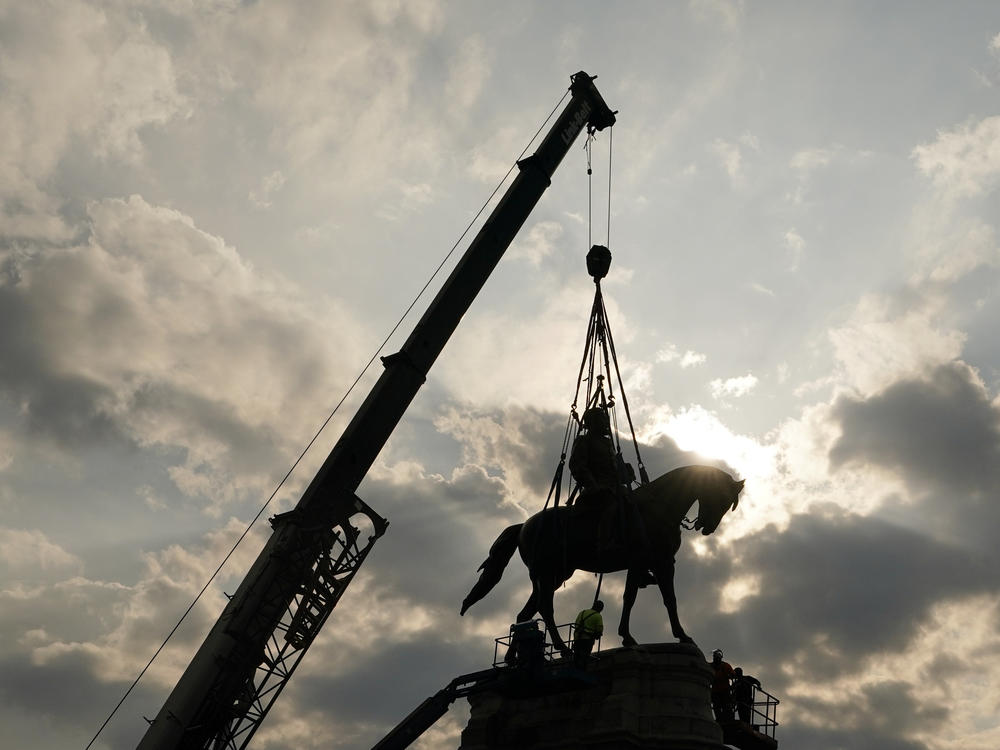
(567, 632)
(764, 711)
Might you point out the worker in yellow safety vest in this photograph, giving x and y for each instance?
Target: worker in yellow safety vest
(589, 627)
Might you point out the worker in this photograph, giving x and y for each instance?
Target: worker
(589, 627)
(722, 699)
(743, 687)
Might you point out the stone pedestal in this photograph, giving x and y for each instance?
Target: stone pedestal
(653, 696)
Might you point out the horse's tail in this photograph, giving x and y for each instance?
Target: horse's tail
(493, 567)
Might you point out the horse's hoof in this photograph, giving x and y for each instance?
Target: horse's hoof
(686, 639)
(629, 642)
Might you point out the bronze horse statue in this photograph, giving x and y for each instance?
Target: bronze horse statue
(558, 541)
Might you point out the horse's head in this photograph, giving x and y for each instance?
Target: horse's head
(714, 500)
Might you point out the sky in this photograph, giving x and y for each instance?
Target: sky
(212, 214)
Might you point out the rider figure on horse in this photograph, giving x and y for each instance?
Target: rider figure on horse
(594, 465)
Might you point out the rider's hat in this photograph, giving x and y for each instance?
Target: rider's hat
(596, 419)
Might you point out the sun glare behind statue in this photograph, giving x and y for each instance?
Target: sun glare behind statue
(696, 430)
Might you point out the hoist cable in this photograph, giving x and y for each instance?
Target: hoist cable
(628, 413)
(583, 361)
(326, 422)
(611, 141)
(587, 147)
(603, 341)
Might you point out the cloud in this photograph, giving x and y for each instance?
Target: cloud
(862, 588)
(886, 339)
(112, 79)
(807, 160)
(6, 449)
(521, 445)
(540, 242)
(730, 158)
(795, 244)
(468, 72)
(412, 196)
(558, 325)
(729, 12)
(951, 247)
(733, 387)
(693, 359)
(490, 159)
(938, 430)
(297, 80)
(689, 358)
(261, 196)
(157, 333)
(27, 553)
(751, 141)
(73, 73)
(964, 161)
(950, 239)
(694, 435)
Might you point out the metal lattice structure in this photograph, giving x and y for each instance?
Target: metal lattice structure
(304, 616)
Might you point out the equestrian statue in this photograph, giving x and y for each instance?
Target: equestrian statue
(638, 531)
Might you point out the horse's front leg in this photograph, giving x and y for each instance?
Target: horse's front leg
(665, 579)
(631, 590)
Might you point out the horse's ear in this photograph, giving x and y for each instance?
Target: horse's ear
(738, 486)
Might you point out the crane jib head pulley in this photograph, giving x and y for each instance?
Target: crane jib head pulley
(598, 116)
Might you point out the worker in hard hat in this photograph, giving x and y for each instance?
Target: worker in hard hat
(722, 698)
(743, 694)
(589, 627)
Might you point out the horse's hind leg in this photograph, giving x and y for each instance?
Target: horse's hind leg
(530, 606)
(631, 590)
(545, 592)
(665, 578)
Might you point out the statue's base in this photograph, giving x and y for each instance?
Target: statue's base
(652, 696)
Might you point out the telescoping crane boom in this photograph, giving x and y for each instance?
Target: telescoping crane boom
(314, 551)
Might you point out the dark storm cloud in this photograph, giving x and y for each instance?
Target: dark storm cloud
(59, 406)
(835, 590)
(67, 689)
(800, 736)
(250, 448)
(861, 583)
(439, 533)
(879, 716)
(416, 670)
(939, 431)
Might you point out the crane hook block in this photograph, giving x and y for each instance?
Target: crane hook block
(598, 262)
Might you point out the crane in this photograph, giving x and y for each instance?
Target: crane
(314, 550)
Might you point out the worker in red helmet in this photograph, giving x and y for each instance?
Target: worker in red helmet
(722, 698)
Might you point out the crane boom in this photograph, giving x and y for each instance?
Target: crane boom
(314, 550)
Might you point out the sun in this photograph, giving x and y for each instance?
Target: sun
(697, 430)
